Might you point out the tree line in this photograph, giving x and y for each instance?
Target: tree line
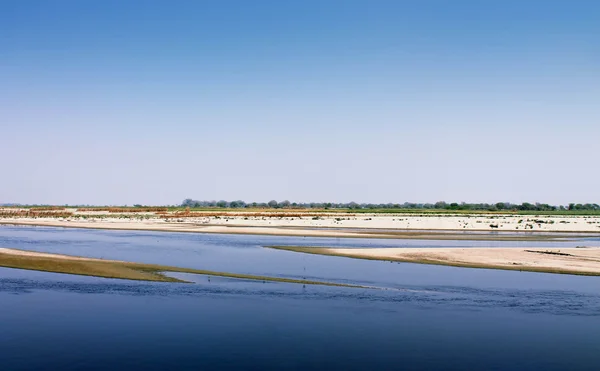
(441, 205)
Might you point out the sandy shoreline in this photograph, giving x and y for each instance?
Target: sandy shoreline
(332, 225)
(190, 227)
(575, 260)
(27, 253)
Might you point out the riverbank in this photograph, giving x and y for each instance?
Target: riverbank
(577, 261)
(334, 225)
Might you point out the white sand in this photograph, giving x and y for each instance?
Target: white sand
(16, 252)
(581, 260)
(433, 222)
(311, 226)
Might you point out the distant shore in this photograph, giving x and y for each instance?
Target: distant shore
(434, 226)
(309, 231)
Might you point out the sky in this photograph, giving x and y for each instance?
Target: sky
(150, 102)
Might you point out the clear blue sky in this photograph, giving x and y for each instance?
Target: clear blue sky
(122, 102)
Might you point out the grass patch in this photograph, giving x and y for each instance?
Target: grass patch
(107, 269)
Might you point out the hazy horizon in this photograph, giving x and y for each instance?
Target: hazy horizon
(368, 101)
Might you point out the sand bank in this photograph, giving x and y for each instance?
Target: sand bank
(365, 226)
(57, 263)
(580, 260)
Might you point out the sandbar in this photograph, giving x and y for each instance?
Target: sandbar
(575, 260)
(58, 263)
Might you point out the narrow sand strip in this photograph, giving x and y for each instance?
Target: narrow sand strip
(193, 227)
(307, 230)
(581, 261)
(4, 250)
(57, 263)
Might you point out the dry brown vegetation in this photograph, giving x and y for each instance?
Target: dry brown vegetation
(208, 214)
(47, 208)
(162, 212)
(125, 209)
(35, 214)
(136, 210)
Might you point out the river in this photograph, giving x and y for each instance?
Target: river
(417, 317)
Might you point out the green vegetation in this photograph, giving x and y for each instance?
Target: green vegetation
(438, 207)
(425, 209)
(129, 270)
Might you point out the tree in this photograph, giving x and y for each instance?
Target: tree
(237, 204)
(526, 206)
(272, 204)
(188, 202)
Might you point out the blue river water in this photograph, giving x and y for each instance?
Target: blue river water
(421, 317)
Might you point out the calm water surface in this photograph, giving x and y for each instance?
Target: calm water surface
(423, 317)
